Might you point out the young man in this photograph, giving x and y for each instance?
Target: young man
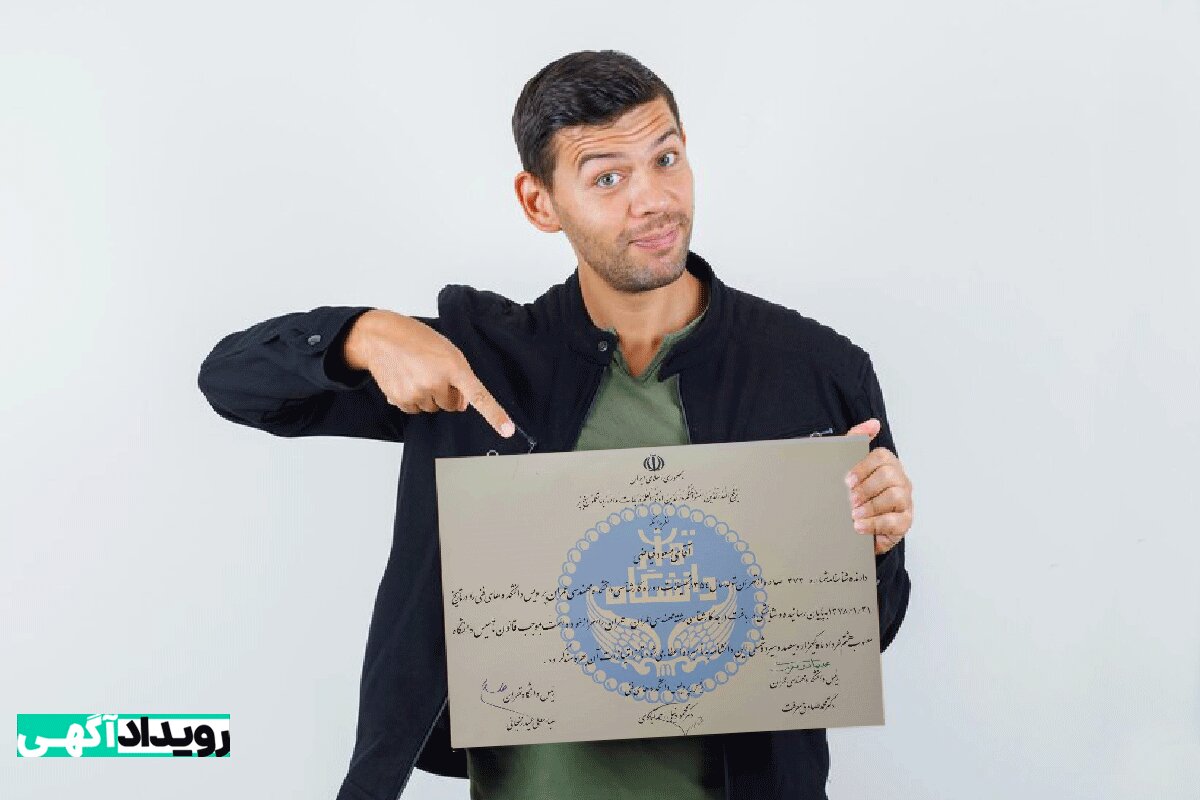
(641, 345)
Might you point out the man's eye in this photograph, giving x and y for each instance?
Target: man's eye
(600, 181)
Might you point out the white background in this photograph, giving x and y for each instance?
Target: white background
(999, 201)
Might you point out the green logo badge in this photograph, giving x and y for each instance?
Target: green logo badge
(122, 735)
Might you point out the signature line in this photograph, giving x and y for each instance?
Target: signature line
(502, 708)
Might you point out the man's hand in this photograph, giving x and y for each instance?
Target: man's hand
(418, 369)
(880, 493)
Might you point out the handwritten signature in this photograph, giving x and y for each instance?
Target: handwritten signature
(681, 715)
(526, 693)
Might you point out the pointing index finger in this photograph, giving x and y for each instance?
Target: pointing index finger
(481, 399)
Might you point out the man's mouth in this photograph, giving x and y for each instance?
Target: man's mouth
(660, 240)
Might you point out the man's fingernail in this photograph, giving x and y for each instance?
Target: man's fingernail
(851, 479)
(508, 428)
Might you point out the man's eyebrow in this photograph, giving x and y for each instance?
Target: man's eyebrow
(591, 156)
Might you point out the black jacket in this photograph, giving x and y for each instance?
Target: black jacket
(750, 370)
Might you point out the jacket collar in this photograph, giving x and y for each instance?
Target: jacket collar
(597, 345)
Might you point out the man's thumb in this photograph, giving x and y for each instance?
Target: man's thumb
(870, 429)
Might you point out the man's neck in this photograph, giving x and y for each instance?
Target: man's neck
(642, 319)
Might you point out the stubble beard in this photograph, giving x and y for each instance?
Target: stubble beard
(621, 269)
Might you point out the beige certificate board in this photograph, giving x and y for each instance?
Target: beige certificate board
(668, 591)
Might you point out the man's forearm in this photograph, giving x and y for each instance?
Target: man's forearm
(353, 350)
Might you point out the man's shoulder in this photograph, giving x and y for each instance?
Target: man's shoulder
(772, 327)
(461, 306)
(459, 303)
(459, 298)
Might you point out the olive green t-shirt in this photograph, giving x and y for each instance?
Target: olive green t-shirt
(628, 412)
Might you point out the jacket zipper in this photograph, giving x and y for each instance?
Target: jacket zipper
(682, 410)
(428, 733)
(588, 413)
(528, 438)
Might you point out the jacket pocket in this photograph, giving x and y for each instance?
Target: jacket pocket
(485, 441)
(515, 445)
(819, 427)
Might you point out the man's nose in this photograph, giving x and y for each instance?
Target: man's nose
(649, 194)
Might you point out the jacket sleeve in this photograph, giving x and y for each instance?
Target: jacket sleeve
(893, 584)
(287, 376)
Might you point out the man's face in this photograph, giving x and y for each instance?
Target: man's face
(619, 184)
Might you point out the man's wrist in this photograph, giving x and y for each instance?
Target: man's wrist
(353, 348)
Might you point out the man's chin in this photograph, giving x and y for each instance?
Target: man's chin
(658, 275)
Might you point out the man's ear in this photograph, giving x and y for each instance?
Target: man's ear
(536, 202)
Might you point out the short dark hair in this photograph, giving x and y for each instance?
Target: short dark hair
(588, 87)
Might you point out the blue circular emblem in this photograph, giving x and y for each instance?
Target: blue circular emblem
(661, 602)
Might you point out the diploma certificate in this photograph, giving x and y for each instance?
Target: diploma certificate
(659, 591)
